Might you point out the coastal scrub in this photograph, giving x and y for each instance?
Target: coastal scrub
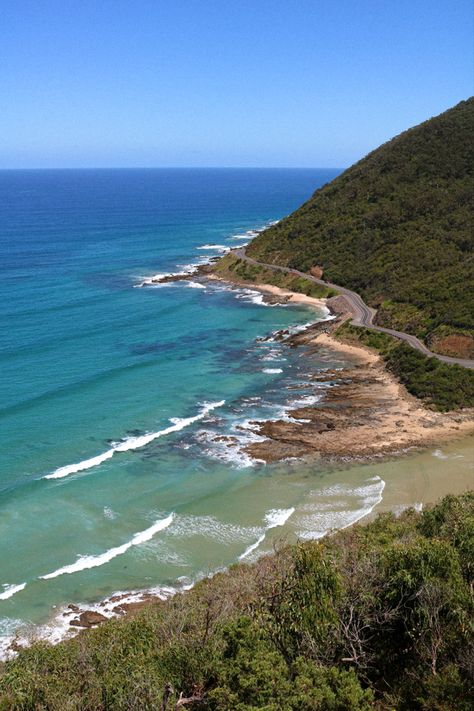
(440, 386)
(375, 617)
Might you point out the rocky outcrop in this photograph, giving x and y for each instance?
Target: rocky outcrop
(89, 618)
(317, 271)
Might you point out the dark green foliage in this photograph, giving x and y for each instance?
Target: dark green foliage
(453, 520)
(301, 615)
(441, 386)
(375, 617)
(396, 227)
(445, 387)
(236, 269)
(252, 675)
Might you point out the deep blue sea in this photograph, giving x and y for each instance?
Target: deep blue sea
(112, 396)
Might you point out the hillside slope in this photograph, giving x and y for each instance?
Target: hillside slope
(377, 617)
(398, 228)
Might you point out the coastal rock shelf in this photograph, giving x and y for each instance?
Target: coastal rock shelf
(363, 412)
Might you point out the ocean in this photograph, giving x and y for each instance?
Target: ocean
(124, 408)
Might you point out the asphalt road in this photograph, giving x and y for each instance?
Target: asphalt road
(362, 315)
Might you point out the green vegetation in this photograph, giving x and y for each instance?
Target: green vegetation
(397, 227)
(440, 386)
(235, 269)
(375, 617)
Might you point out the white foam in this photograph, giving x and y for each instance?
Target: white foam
(133, 443)
(272, 355)
(250, 234)
(273, 518)
(195, 285)
(278, 517)
(80, 466)
(215, 247)
(326, 515)
(298, 328)
(11, 590)
(439, 454)
(252, 547)
(305, 401)
(229, 451)
(242, 236)
(253, 297)
(271, 371)
(59, 627)
(211, 528)
(94, 561)
(157, 279)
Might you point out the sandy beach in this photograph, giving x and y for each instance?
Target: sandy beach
(273, 294)
(364, 421)
(367, 414)
(286, 296)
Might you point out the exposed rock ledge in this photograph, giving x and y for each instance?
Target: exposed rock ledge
(367, 413)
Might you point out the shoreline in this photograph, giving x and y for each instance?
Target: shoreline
(408, 424)
(400, 492)
(386, 439)
(366, 413)
(395, 421)
(291, 296)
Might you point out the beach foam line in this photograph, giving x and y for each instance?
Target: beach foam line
(274, 518)
(439, 454)
(325, 516)
(187, 270)
(131, 443)
(371, 502)
(10, 590)
(254, 297)
(253, 232)
(85, 562)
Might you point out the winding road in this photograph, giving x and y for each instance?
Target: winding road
(362, 315)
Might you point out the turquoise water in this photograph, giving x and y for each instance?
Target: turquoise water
(116, 392)
(124, 410)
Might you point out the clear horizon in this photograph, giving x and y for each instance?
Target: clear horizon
(183, 167)
(205, 85)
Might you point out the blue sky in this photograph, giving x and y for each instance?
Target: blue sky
(315, 83)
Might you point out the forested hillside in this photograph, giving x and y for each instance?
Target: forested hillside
(375, 617)
(398, 228)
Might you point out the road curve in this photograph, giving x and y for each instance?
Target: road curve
(362, 315)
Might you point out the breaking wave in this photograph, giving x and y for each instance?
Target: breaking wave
(273, 518)
(326, 514)
(94, 561)
(131, 443)
(10, 590)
